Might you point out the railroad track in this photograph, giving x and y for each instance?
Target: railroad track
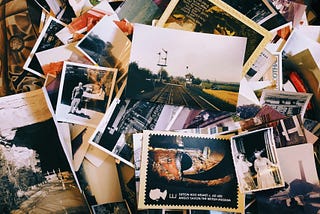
(174, 94)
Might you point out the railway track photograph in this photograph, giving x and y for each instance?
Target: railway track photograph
(171, 66)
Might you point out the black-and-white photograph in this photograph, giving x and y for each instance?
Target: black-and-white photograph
(106, 45)
(189, 118)
(46, 40)
(125, 116)
(286, 102)
(287, 131)
(170, 66)
(111, 208)
(85, 93)
(256, 162)
(259, 11)
(36, 175)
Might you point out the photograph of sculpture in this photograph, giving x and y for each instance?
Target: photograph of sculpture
(187, 171)
(85, 92)
(256, 161)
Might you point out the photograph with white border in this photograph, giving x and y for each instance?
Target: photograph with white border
(256, 162)
(85, 93)
(46, 40)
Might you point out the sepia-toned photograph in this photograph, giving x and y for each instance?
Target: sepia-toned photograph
(170, 66)
(187, 171)
(46, 40)
(85, 92)
(256, 162)
(36, 175)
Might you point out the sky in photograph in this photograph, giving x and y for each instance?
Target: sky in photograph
(206, 56)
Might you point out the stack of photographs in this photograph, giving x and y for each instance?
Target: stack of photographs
(161, 106)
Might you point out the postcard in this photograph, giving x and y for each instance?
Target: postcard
(256, 161)
(125, 116)
(187, 171)
(80, 25)
(305, 66)
(115, 207)
(46, 40)
(286, 102)
(106, 45)
(171, 66)
(302, 183)
(85, 92)
(33, 156)
(217, 17)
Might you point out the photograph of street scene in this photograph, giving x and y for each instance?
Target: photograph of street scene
(171, 66)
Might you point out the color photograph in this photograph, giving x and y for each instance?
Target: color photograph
(171, 66)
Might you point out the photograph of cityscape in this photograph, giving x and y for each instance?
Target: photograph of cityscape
(174, 69)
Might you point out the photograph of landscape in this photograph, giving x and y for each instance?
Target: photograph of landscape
(171, 66)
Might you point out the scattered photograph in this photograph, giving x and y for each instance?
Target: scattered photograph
(262, 64)
(187, 171)
(298, 42)
(170, 66)
(141, 11)
(217, 17)
(189, 118)
(80, 25)
(292, 11)
(286, 102)
(96, 181)
(106, 45)
(301, 192)
(36, 174)
(46, 40)
(112, 208)
(258, 11)
(256, 162)
(305, 66)
(85, 92)
(280, 36)
(51, 60)
(125, 116)
(287, 131)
